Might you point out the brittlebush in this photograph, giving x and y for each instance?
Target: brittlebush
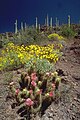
(14, 55)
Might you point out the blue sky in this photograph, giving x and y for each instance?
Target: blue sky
(27, 10)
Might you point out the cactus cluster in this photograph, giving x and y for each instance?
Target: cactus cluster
(48, 23)
(36, 88)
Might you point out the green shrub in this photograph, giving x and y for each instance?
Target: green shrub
(1, 43)
(28, 37)
(40, 65)
(67, 31)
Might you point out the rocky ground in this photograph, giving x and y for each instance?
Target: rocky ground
(68, 105)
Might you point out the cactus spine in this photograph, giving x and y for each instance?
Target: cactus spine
(16, 29)
(69, 22)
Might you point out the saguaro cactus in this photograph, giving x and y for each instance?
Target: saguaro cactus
(36, 22)
(39, 27)
(47, 20)
(56, 22)
(69, 21)
(7, 35)
(25, 26)
(16, 29)
(22, 26)
(51, 22)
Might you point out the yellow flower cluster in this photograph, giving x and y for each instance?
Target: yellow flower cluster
(15, 55)
(56, 36)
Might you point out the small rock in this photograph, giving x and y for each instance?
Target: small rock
(45, 118)
(65, 60)
(19, 71)
(50, 118)
(51, 109)
(37, 118)
(50, 115)
(77, 77)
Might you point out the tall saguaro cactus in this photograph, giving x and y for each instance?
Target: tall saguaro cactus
(7, 35)
(22, 26)
(56, 22)
(16, 29)
(39, 27)
(36, 23)
(51, 22)
(25, 26)
(69, 20)
(47, 21)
